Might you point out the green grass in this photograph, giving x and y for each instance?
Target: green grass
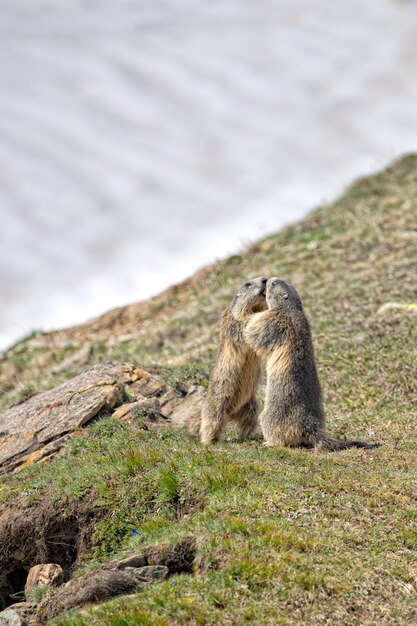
(285, 536)
(40, 592)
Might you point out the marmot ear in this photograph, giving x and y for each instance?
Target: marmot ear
(284, 294)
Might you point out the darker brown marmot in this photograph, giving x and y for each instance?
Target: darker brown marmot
(293, 413)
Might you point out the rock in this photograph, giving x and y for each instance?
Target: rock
(177, 557)
(180, 408)
(148, 385)
(10, 618)
(44, 574)
(169, 401)
(145, 412)
(135, 560)
(80, 357)
(123, 577)
(149, 574)
(18, 614)
(39, 426)
(94, 586)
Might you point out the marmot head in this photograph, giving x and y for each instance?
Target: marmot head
(283, 296)
(250, 298)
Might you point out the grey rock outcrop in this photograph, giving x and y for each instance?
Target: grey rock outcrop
(37, 428)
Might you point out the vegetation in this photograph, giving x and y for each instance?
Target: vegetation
(285, 536)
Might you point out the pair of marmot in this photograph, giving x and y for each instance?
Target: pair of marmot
(293, 414)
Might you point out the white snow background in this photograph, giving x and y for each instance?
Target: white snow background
(140, 140)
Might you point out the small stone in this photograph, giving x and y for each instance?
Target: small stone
(135, 560)
(169, 401)
(147, 410)
(122, 413)
(18, 614)
(180, 410)
(10, 618)
(23, 608)
(44, 574)
(149, 573)
(149, 385)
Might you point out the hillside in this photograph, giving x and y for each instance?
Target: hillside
(284, 536)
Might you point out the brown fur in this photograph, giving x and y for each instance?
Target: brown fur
(293, 413)
(235, 376)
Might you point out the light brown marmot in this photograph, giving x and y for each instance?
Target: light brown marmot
(293, 413)
(235, 376)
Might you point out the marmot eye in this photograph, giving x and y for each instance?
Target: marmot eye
(248, 284)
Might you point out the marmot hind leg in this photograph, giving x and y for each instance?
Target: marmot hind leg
(213, 422)
(281, 435)
(247, 421)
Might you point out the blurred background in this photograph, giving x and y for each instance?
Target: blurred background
(140, 140)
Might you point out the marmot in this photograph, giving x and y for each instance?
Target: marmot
(293, 413)
(235, 376)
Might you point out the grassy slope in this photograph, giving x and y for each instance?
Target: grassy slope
(288, 536)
